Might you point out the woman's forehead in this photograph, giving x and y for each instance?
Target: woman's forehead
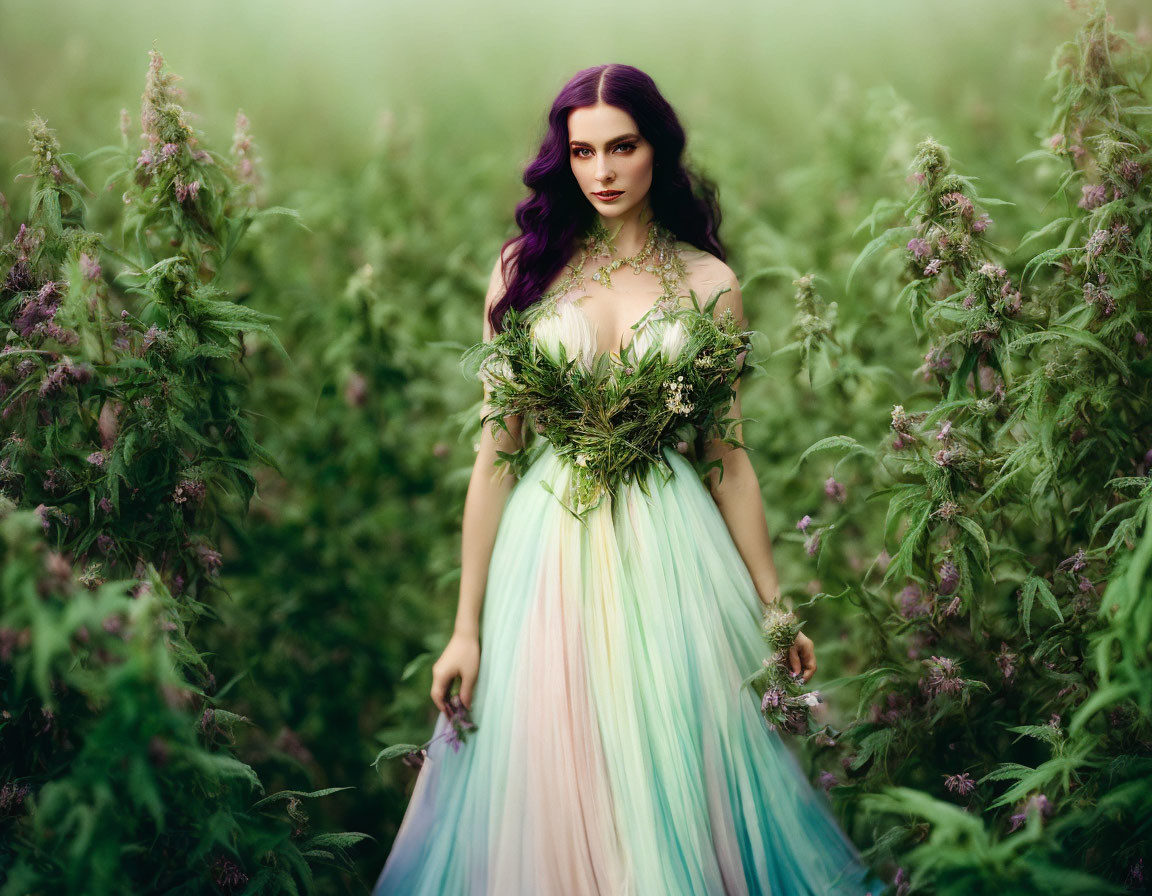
(600, 122)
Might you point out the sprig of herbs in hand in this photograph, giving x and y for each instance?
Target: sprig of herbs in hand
(784, 702)
(459, 724)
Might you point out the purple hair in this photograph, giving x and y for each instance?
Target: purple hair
(557, 212)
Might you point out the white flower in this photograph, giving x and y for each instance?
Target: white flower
(565, 329)
(659, 328)
(810, 698)
(495, 371)
(675, 338)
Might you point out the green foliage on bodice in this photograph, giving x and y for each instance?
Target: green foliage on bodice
(610, 416)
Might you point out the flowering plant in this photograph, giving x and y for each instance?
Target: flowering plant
(784, 702)
(413, 755)
(610, 417)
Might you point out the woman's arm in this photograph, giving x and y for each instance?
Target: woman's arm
(737, 494)
(487, 491)
(483, 507)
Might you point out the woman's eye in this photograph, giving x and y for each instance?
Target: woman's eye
(628, 146)
(579, 151)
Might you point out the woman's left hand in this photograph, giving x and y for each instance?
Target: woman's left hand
(802, 656)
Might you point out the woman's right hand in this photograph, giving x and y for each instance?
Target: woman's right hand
(461, 658)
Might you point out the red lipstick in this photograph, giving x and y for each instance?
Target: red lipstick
(608, 195)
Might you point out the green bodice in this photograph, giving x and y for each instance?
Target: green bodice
(610, 415)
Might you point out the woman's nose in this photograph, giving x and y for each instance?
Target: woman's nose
(603, 171)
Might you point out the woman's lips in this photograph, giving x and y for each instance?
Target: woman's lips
(608, 195)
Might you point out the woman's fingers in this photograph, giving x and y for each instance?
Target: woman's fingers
(808, 656)
(441, 681)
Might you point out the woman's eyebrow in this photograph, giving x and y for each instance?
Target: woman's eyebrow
(611, 142)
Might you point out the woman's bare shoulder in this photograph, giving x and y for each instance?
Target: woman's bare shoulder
(706, 272)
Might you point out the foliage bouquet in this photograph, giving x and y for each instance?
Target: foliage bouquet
(783, 701)
(590, 408)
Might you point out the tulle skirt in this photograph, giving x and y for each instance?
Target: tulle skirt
(616, 750)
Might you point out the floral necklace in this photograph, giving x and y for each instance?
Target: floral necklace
(658, 256)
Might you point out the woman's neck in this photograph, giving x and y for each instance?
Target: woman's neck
(629, 232)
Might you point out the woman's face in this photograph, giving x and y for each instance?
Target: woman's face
(609, 156)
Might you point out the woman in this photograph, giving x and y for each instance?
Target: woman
(616, 552)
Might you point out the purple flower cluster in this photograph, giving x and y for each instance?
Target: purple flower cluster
(1100, 296)
(834, 489)
(773, 697)
(12, 798)
(227, 875)
(949, 577)
(919, 247)
(896, 707)
(1007, 661)
(943, 677)
(459, 722)
(1092, 196)
(912, 604)
(1036, 803)
(961, 784)
(62, 373)
(209, 560)
(37, 316)
(190, 492)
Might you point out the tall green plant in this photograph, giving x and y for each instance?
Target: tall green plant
(1014, 483)
(128, 446)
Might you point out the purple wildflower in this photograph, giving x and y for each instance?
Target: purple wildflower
(97, 458)
(804, 523)
(227, 875)
(1038, 803)
(943, 677)
(152, 336)
(961, 784)
(919, 247)
(1076, 562)
(1098, 242)
(12, 797)
(1092, 196)
(959, 202)
(933, 267)
(834, 489)
(812, 544)
(949, 577)
(89, 266)
(1006, 660)
(189, 491)
(210, 560)
(773, 697)
(911, 603)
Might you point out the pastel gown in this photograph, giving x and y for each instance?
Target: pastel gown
(616, 750)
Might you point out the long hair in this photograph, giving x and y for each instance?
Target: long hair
(556, 212)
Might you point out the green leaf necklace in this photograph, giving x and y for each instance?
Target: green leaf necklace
(658, 256)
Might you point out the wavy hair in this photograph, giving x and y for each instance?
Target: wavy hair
(556, 212)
